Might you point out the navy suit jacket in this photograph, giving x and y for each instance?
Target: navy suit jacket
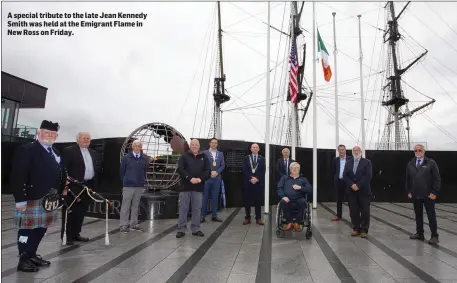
(362, 176)
(35, 172)
(259, 173)
(220, 162)
(336, 167)
(281, 168)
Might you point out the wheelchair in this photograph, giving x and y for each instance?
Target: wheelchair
(306, 222)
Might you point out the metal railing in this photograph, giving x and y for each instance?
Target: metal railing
(398, 146)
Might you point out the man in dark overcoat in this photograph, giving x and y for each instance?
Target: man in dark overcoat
(37, 169)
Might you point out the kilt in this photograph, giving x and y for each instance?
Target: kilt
(34, 216)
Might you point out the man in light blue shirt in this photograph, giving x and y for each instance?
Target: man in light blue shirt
(339, 184)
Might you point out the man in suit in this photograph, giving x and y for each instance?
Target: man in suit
(338, 181)
(283, 164)
(423, 182)
(81, 164)
(357, 175)
(254, 183)
(36, 170)
(213, 184)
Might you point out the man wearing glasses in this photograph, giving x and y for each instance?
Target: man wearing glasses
(423, 183)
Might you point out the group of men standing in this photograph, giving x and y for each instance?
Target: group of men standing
(352, 177)
(38, 167)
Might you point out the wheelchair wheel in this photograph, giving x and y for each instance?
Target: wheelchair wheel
(280, 233)
(308, 234)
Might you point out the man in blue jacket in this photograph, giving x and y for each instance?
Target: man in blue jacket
(293, 190)
(213, 184)
(133, 170)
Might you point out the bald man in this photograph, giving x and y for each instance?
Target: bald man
(357, 175)
(254, 183)
(194, 168)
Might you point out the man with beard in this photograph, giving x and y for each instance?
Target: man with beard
(81, 164)
(283, 164)
(357, 175)
(37, 168)
(423, 182)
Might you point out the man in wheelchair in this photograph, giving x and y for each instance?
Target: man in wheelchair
(293, 191)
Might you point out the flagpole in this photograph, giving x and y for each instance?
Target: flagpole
(294, 108)
(362, 100)
(267, 130)
(337, 123)
(314, 112)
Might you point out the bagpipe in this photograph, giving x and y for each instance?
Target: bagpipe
(53, 200)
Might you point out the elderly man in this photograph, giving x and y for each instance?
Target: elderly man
(283, 163)
(357, 175)
(423, 182)
(81, 164)
(134, 167)
(37, 168)
(213, 184)
(254, 183)
(293, 190)
(338, 181)
(194, 169)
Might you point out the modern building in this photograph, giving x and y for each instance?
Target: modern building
(18, 93)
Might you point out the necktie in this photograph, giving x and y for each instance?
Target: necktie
(255, 159)
(287, 167)
(356, 163)
(50, 151)
(418, 163)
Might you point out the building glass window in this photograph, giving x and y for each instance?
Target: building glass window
(10, 110)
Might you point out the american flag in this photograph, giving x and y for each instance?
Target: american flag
(293, 74)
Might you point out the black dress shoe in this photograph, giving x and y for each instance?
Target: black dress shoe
(180, 235)
(39, 261)
(417, 237)
(27, 266)
(81, 239)
(199, 234)
(216, 219)
(70, 243)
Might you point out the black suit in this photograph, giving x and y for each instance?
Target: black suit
(253, 192)
(76, 168)
(339, 184)
(281, 168)
(359, 201)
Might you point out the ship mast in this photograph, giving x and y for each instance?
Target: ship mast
(219, 94)
(396, 99)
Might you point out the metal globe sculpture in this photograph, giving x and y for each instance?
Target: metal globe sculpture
(163, 145)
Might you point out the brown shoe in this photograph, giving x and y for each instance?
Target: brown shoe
(259, 222)
(297, 227)
(246, 221)
(336, 218)
(354, 234)
(287, 227)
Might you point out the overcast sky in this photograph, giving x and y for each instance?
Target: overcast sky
(110, 81)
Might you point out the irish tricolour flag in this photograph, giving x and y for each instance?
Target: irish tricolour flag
(324, 56)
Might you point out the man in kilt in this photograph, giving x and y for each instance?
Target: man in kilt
(36, 169)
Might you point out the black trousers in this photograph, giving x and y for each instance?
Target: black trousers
(341, 189)
(298, 204)
(419, 211)
(28, 241)
(253, 197)
(76, 217)
(359, 209)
